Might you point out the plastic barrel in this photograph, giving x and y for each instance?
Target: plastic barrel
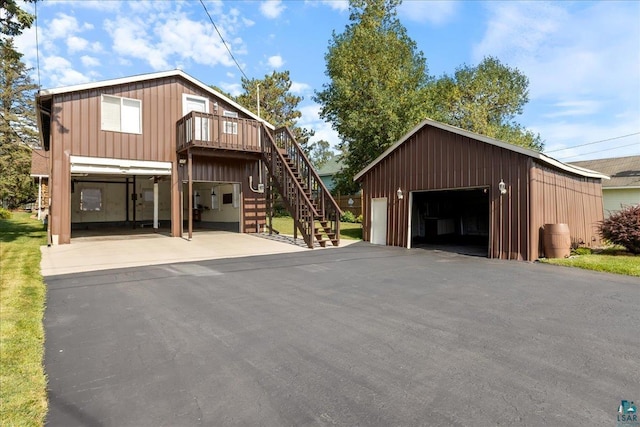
(557, 241)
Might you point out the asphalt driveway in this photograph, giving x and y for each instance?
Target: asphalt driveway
(361, 335)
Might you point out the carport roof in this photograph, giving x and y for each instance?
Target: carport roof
(525, 151)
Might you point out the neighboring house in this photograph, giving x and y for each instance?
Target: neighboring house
(624, 187)
(328, 171)
(443, 184)
(165, 150)
(40, 174)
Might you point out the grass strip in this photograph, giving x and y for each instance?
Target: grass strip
(348, 230)
(23, 395)
(619, 264)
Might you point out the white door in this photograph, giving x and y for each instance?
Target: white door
(200, 104)
(379, 221)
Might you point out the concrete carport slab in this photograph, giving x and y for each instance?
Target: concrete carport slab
(91, 254)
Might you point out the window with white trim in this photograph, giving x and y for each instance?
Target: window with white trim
(121, 114)
(230, 127)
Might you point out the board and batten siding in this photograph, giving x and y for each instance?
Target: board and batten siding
(438, 159)
(434, 159)
(214, 169)
(560, 197)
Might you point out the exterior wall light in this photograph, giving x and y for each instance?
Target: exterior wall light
(399, 194)
(502, 187)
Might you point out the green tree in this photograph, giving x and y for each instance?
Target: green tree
(14, 20)
(320, 153)
(278, 105)
(484, 99)
(376, 92)
(17, 127)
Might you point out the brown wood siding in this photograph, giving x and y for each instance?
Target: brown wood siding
(435, 159)
(235, 170)
(560, 197)
(76, 130)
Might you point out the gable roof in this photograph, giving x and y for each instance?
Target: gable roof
(330, 168)
(150, 76)
(39, 163)
(487, 140)
(624, 171)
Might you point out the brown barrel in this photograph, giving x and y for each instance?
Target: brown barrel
(557, 241)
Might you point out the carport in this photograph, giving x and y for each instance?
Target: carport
(110, 196)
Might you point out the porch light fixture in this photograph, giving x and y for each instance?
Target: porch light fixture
(399, 194)
(182, 161)
(502, 187)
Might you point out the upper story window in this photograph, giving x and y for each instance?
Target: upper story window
(121, 114)
(227, 126)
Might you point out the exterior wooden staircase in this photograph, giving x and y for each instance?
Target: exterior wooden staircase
(314, 211)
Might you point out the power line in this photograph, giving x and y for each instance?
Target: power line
(594, 142)
(599, 151)
(35, 4)
(223, 42)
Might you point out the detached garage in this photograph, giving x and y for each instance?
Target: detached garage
(443, 185)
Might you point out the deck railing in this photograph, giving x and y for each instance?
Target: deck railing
(214, 131)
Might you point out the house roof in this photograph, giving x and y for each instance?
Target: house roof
(150, 76)
(624, 171)
(39, 163)
(330, 168)
(525, 151)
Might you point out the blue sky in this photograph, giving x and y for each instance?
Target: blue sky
(582, 58)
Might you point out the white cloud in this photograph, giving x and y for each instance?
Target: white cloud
(130, 39)
(275, 61)
(76, 44)
(574, 108)
(62, 73)
(89, 61)
(100, 5)
(234, 89)
(311, 120)
(62, 27)
(341, 5)
(434, 12)
(300, 88)
(272, 8)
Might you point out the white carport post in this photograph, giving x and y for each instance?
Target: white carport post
(40, 197)
(155, 203)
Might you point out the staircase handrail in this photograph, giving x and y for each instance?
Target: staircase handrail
(269, 147)
(311, 169)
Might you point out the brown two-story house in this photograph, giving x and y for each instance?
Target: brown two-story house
(166, 151)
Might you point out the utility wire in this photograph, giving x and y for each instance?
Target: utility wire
(223, 42)
(594, 142)
(35, 5)
(599, 151)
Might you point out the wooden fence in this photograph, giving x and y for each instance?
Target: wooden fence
(355, 206)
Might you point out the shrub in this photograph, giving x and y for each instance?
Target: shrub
(582, 251)
(359, 219)
(5, 213)
(623, 228)
(348, 216)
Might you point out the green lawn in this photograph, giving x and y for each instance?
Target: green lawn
(348, 230)
(619, 264)
(23, 397)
